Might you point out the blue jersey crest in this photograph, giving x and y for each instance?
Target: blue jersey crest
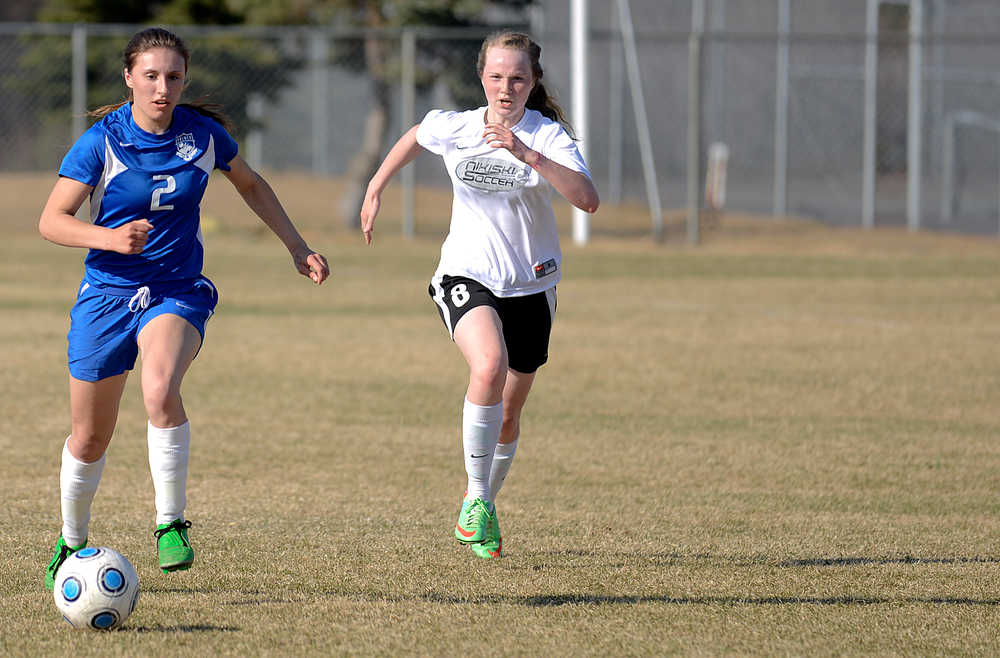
(186, 149)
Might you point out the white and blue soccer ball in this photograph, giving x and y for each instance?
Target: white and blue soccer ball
(96, 588)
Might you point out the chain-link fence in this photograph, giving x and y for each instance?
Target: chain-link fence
(783, 84)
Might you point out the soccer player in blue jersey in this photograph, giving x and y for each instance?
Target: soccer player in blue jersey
(144, 166)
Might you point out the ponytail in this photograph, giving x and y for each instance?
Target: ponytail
(540, 100)
(212, 111)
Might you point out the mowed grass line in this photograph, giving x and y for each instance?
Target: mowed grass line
(784, 442)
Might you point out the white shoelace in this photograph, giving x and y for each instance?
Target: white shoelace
(140, 300)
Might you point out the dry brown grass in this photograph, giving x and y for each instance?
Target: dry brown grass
(781, 442)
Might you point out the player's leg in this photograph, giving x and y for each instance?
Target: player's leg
(468, 310)
(101, 351)
(168, 344)
(527, 326)
(479, 336)
(527, 323)
(515, 394)
(94, 409)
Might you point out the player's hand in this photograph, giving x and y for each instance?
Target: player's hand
(369, 210)
(501, 137)
(130, 238)
(311, 264)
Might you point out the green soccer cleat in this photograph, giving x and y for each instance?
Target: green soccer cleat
(172, 543)
(490, 548)
(62, 552)
(473, 520)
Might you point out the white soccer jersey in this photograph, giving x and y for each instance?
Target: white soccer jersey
(503, 231)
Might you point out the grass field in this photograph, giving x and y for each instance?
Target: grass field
(785, 441)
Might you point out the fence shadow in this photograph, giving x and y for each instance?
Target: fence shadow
(183, 628)
(546, 600)
(905, 559)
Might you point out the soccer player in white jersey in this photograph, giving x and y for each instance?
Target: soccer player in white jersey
(144, 166)
(495, 284)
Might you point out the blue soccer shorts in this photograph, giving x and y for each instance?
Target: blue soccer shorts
(105, 321)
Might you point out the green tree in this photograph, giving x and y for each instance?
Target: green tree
(224, 70)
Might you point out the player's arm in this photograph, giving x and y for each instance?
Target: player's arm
(575, 186)
(264, 202)
(400, 155)
(59, 224)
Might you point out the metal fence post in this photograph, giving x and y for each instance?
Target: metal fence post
(694, 119)
(408, 92)
(79, 90)
(255, 138)
(915, 110)
(578, 56)
(870, 125)
(781, 112)
(318, 54)
(948, 169)
(616, 89)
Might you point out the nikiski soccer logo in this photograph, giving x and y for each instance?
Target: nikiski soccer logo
(492, 174)
(185, 146)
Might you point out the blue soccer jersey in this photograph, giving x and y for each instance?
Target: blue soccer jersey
(161, 178)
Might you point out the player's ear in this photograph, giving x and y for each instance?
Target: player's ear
(128, 78)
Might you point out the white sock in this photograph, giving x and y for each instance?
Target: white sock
(77, 485)
(480, 433)
(503, 457)
(169, 448)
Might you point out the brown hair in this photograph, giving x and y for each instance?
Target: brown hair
(156, 37)
(539, 98)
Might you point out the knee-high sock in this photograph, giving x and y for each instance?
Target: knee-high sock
(503, 457)
(480, 433)
(77, 485)
(169, 448)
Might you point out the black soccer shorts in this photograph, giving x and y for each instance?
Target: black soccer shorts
(526, 320)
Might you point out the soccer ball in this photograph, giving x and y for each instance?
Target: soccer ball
(96, 588)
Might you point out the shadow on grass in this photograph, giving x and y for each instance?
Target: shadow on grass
(673, 559)
(906, 559)
(554, 600)
(736, 601)
(263, 601)
(184, 628)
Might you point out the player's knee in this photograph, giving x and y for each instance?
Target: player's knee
(162, 401)
(88, 443)
(489, 373)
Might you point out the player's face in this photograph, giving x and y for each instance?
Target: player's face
(156, 81)
(507, 81)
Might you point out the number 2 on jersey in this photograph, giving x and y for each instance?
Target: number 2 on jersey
(171, 185)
